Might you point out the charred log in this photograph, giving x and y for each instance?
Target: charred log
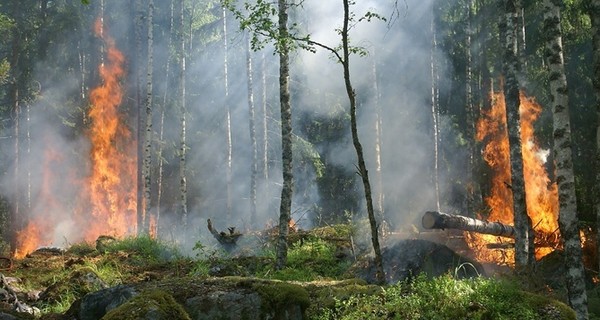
(227, 239)
(441, 220)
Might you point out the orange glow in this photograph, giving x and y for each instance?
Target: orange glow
(541, 193)
(106, 203)
(38, 231)
(111, 187)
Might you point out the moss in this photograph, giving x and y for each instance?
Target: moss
(549, 308)
(279, 296)
(325, 295)
(154, 304)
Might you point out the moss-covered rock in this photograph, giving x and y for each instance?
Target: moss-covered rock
(149, 305)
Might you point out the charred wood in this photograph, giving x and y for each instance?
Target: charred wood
(227, 239)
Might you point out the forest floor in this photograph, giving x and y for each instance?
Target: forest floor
(324, 265)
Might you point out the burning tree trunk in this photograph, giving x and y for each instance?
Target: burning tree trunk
(440, 220)
(565, 177)
(523, 237)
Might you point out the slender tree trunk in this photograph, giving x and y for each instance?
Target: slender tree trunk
(594, 12)
(183, 212)
(523, 237)
(252, 127)
(378, 143)
(472, 185)
(379, 273)
(522, 45)
(286, 136)
(565, 177)
(229, 173)
(137, 65)
(435, 109)
(145, 227)
(16, 219)
(265, 136)
(161, 130)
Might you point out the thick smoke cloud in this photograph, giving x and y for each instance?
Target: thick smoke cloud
(399, 52)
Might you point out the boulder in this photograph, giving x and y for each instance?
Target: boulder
(410, 257)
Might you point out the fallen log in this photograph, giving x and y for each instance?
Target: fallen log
(441, 220)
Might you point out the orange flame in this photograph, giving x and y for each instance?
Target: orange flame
(112, 183)
(46, 212)
(107, 203)
(541, 193)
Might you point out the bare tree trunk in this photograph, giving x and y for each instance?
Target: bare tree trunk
(161, 130)
(16, 219)
(524, 237)
(265, 136)
(565, 177)
(137, 65)
(435, 109)
(252, 127)
(594, 12)
(471, 184)
(183, 111)
(286, 137)
(229, 173)
(378, 143)
(145, 227)
(379, 271)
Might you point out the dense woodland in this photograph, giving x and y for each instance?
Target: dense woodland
(200, 117)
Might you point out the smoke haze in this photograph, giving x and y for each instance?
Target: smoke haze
(399, 53)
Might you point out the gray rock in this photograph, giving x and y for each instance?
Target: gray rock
(96, 304)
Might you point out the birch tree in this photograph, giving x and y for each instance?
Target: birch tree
(147, 161)
(563, 158)
(183, 111)
(524, 236)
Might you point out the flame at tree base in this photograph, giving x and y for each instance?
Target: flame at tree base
(541, 192)
(107, 201)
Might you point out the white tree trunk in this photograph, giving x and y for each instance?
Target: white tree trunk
(567, 218)
(148, 125)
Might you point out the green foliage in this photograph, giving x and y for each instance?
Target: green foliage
(146, 249)
(310, 260)
(447, 298)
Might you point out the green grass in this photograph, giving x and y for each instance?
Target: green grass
(446, 298)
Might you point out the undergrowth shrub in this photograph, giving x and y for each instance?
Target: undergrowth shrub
(446, 298)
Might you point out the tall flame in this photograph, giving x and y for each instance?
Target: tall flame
(111, 187)
(541, 193)
(107, 199)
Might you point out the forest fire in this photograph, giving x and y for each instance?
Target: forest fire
(541, 193)
(111, 187)
(107, 201)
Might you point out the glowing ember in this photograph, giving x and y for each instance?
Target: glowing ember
(541, 194)
(112, 184)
